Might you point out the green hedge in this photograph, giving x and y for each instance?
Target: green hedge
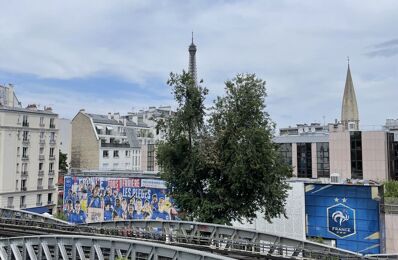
(391, 189)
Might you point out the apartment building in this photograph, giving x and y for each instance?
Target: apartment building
(111, 142)
(28, 155)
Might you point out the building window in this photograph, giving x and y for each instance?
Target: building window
(23, 185)
(50, 198)
(304, 161)
(10, 202)
(50, 183)
(105, 154)
(25, 135)
(25, 120)
(116, 154)
(24, 152)
(38, 200)
(392, 156)
(322, 159)
(51, 167)
(40, 166)
(41, 150)
(52, 137)
(51, 152)
(128, 153)
(52, 124)
(41, 135)
(356, 155)
(40, 183)
(286, 153)
(41, 121)
(151, 157)
(22, 202)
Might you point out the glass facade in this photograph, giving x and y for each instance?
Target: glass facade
(286, 153)
(392, 147)
(356, 155)
(322, 159)
(304, 160)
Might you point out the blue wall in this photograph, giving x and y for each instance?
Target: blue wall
(345, 213)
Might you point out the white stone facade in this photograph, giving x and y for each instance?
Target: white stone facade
(28, 157)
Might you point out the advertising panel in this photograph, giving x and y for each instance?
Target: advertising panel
(92, 199)
(346, 214)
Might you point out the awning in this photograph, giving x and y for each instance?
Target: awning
(109, 127)
(39, 210)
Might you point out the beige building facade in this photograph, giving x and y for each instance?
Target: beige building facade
(28, 158)
(112, 143)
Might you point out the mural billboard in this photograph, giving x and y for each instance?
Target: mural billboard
(346, 214)
(92, 199)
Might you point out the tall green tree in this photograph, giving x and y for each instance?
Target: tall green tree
(226, 168)
(63, 162)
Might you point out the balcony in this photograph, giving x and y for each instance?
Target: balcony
(50, 202)
(51, 186)
(22, 206)
(52, 126)
(25, 157)
(42, 125)
(51, 173)
(41, 157)
(53, 142)
(39, 187)
(23, 188)
(39, 203)
(115, 145)
(41, 173)
(24, 174)
(10, 206)
(42, 141)
(25, 141)
(25, 124)
(51, 157)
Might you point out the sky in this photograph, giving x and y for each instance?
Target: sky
(116, 56)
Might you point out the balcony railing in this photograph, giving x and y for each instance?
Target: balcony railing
(41, 157)
(42, 125)
(25, 123)
(50, 173)
(42, 141)
(25, 141)
(53, 142)
(116, 145)
(51, 186)
(50, 202)
(25, 158)
(41, 173)
(51, 157)
(22, 206)
(24, 174)
(39, 203)
(10, 206)
(52, 126)
(39, 187)
(23, 188)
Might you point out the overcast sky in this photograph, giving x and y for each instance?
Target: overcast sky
(109, 56)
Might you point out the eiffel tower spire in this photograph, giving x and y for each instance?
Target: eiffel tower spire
(192, 60)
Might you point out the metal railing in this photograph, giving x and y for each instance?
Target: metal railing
(82, 247)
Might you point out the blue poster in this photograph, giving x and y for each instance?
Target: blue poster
(93, 199)
(349, 215)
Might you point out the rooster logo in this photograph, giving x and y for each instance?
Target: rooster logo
(340, 217)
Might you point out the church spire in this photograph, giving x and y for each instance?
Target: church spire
(349, 111)
(192, 60)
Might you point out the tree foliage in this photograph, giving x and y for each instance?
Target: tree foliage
(227, 167)
(63, 164)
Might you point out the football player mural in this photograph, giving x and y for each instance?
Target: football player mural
(92, 199)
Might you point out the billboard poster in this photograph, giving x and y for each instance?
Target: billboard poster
(93, 199)
(349, 215)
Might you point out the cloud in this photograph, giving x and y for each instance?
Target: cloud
(71, 48)
(385, 49)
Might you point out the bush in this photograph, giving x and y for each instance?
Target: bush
(391, 189)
